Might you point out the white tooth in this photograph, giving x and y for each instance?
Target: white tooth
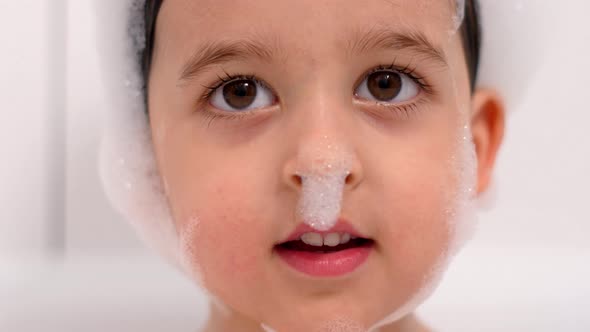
(345, 238)
(313, 239)
(332, 240)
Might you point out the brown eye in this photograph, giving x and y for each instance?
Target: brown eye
(239, 94)
(242, 94)
(387, 86)
(384, 85)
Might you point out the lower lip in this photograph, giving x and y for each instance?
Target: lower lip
(333, 264)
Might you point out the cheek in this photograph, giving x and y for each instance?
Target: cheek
(221, 233)
(417, 207)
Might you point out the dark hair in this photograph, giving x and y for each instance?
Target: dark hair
(470, 35)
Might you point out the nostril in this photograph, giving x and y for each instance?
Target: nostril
(296, 179)
(349, 178)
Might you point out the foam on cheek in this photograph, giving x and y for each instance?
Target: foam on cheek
(323, 177)
(187, 238)
(463, 213)
(190, 265)
(461, 219)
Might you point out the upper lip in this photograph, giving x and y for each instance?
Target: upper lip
(342, 226)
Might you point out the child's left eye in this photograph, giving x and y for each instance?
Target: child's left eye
(387, 86)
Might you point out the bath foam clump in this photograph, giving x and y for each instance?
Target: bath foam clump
(127, 161)
(462, 212)
(323, 179)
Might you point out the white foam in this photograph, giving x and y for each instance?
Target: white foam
(188, 251)
(459, 14)
(266, 328)
(323, 173)
(127, 164)
(514, 38)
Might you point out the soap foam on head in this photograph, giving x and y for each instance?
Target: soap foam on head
(459, 14)
(323, 175)
(128, 167)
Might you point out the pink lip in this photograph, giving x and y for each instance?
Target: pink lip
(325, 264)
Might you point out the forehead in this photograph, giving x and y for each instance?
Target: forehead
(302, 23)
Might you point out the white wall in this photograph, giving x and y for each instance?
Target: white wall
(31, 130)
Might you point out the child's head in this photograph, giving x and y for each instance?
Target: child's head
(265, 114)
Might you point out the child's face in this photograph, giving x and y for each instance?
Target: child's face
(231, 163)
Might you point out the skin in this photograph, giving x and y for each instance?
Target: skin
(231, 183)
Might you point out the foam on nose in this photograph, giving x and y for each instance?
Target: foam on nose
(323, 175)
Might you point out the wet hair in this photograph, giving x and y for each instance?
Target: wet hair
(470, 35)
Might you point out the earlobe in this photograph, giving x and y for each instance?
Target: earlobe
(487, 128)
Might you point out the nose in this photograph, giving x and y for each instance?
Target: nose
(352, 179)
(319, 144)
(324, 163)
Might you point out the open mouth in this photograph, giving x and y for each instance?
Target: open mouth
(325, 254)
(333, 242)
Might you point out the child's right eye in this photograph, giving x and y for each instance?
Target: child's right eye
(241, 94)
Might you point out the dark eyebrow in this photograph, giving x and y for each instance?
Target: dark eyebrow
(386, 39)
(218, 52)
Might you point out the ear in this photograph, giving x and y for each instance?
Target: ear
(487, 128)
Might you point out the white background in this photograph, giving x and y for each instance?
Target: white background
(69, 261)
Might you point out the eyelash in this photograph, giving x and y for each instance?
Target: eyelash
(407, 110)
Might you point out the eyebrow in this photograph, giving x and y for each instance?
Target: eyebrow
(384, 39)
(218, 52)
